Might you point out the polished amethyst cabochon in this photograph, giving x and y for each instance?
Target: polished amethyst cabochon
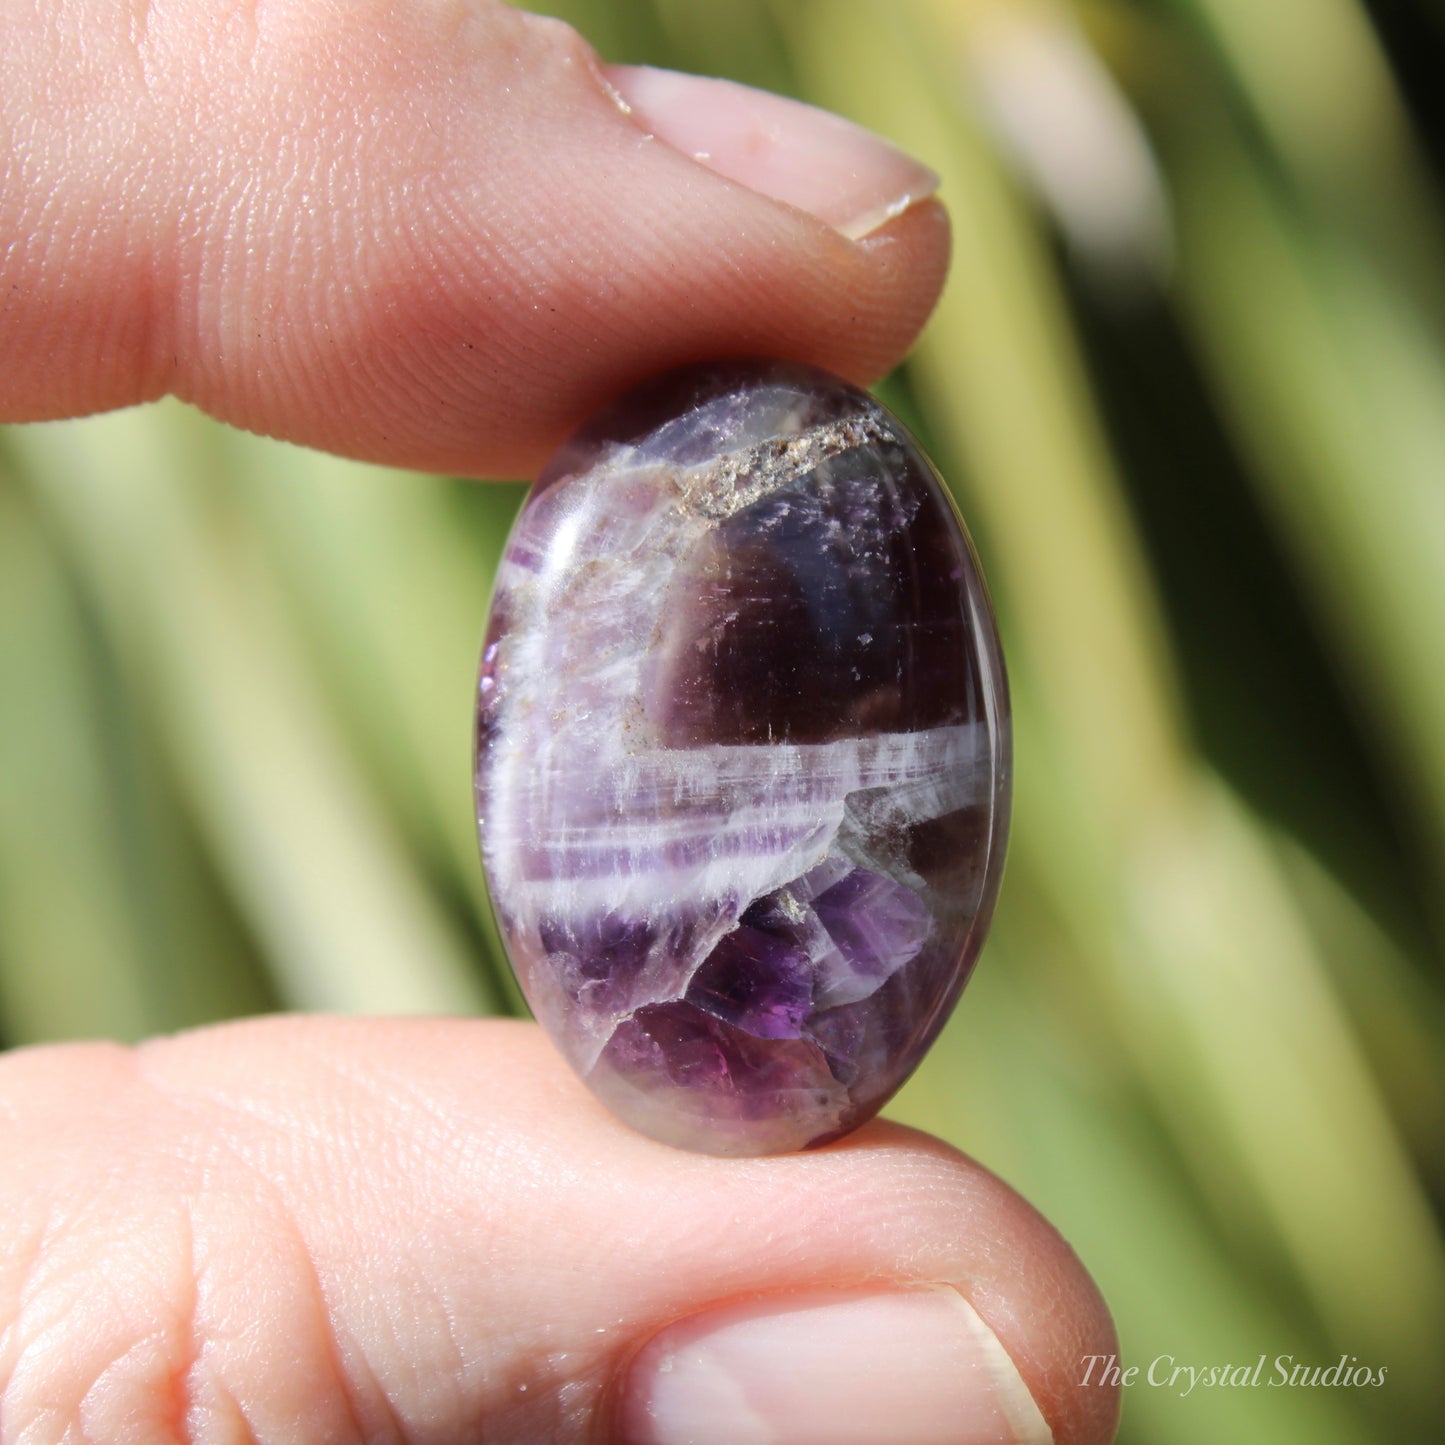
(742, 756)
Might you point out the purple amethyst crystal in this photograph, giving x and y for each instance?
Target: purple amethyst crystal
(742, 756)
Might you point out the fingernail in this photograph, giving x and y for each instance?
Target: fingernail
(792, 152)
(913, 1367)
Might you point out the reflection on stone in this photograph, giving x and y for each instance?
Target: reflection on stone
(743, 756)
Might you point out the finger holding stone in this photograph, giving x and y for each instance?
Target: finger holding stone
(423, 1231)
(434, 235)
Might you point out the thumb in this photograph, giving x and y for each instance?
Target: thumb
(433, 235)
(428, 1231)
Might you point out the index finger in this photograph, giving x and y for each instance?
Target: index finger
(433, 236)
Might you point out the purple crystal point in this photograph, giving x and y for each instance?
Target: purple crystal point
(742, 756)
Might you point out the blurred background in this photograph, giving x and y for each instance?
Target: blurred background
(1188, 381)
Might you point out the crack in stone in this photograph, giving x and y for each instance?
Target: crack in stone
(733, 482)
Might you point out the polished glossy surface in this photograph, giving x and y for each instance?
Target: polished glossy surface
(742, 756)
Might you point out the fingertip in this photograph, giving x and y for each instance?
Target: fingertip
(1014, 1268)
(851, 308)
(911, 253)
(885, 1287)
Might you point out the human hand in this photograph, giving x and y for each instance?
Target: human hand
(429, 235)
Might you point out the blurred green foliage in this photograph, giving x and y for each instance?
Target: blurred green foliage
(1189, 381)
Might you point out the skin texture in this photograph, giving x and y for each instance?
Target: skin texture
(421, 233)
(315, 1229)
(424, 233)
